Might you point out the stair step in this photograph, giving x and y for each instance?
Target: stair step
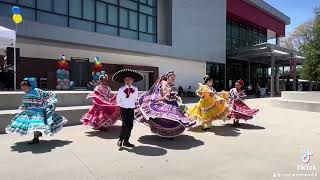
(312, 106)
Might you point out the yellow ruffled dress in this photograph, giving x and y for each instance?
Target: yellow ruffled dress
(210, 107)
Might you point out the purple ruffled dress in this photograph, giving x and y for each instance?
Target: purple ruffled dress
(165, 118)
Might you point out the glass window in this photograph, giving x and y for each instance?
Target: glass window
(45, 5)
(101, 12)
(28, 3)
(60, 7)
(112, 15)
(129, 4)
(151, 24)
(53, 19)
(105, 29)
(133, 20)
(152, 2)
(10, 1)
(146, 9)
(29, 14)
(123, 18)
(235, 30)
(111, 1)
(88, 10)
(243, 33)
(228, 43)
(143, 22)
(229, 30)
(81, 24)
(5, 10)
(249, 35)
(128, 34)
(75, 7)
(147, 37)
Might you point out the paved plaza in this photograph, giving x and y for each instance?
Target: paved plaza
(270, 145)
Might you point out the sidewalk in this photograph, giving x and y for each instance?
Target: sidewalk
(273, 142)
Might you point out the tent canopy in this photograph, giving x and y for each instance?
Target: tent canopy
(7, 37)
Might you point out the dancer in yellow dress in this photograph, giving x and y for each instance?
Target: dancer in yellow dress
(211, 106)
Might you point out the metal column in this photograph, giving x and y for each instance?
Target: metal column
(272, 73)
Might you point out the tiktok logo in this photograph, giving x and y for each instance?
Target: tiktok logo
(307, 156)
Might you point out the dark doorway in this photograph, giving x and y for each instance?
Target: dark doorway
(80, 72)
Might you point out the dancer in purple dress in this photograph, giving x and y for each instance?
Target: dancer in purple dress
(162, 110)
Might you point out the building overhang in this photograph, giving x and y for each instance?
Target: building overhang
(257, 13)
(262, 53)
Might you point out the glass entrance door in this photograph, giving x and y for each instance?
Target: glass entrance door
(144, 84)
(80, 72)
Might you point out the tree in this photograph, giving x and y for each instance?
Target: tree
(311, 52)
(300, 36)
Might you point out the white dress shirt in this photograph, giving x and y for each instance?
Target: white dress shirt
(125, 102)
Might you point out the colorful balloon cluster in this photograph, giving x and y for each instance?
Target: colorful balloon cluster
(17, 18)
(97, 72)
(63, 75)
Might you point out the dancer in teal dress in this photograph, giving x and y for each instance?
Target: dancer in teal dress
(37, 116)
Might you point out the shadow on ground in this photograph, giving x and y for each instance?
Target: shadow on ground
(227, 129)
(110, 133)
(43, 147)
(146, 150)
(249, 126)
(182, 142)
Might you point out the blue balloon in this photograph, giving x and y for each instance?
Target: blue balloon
(62, 76)
(59, 71)
(98, 74)
(95, 78)
(16, 10)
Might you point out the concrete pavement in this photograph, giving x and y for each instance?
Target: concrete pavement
(272, 143)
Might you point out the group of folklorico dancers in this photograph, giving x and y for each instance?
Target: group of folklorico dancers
(160, 108)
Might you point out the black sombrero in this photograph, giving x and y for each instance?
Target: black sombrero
(120, 75)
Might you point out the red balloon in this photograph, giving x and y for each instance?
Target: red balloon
(98, 69)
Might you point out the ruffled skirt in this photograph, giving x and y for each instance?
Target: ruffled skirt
(100, 117)
(29, 121)
(165, 119)
(241, 111)
(208, 110)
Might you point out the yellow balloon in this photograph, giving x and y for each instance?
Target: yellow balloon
(17, 18)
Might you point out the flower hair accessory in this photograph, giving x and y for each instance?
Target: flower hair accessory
(170, 73)
(241, 82)
(103, 76)
(32, 81)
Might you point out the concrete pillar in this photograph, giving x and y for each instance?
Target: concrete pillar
(294, 73)
(278, 40)
(249, 77)
(273, 60)
(310, 85)
(283, 80)
(277, 73)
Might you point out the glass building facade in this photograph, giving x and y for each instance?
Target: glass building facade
(133, 19)
(239, 35)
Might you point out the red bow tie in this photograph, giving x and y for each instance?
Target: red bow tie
(129, 91)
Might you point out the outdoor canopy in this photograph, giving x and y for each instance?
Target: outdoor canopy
(7, 37)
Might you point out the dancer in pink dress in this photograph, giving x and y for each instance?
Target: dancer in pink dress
(104, 112)
(240, 111)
